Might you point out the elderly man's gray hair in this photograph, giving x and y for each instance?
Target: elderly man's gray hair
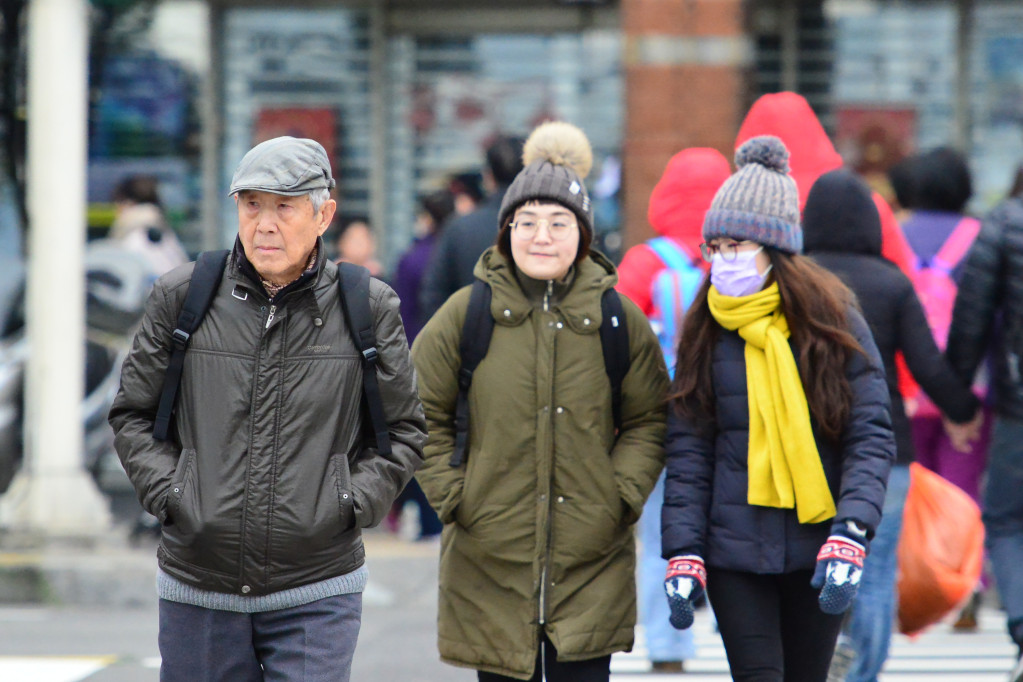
(319, 197)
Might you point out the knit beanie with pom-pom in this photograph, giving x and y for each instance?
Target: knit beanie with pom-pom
(556, 159)
(760, 201)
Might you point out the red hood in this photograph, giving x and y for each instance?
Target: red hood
(788, 116)
(684, 192)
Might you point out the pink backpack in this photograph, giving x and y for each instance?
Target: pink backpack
(933, 280)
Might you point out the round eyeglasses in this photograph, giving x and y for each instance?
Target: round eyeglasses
(559, 229)
(728, 250)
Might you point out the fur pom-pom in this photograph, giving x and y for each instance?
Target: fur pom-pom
(563, 144)
(767, 150)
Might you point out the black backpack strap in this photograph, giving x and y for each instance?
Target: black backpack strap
(614, 338)
(354, 283)
(476, 333)
(209, 268)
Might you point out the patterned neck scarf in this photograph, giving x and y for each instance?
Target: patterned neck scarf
(273, 289)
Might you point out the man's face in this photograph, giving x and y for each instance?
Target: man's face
(279, 232)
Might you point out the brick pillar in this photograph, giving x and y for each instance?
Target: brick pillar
(687, 66)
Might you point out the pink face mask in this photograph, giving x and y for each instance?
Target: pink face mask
(738, 277)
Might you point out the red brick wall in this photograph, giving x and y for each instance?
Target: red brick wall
(686, 81)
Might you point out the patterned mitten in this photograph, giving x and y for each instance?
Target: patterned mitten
(684, 583)
(838, 573)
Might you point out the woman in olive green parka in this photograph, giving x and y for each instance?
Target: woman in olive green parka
(537, 550)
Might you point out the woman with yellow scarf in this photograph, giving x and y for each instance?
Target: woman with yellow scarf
(779, 436)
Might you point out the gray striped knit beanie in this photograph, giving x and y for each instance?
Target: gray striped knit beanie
(760, 201)
(556, 158)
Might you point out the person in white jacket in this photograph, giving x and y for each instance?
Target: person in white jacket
(140, 225)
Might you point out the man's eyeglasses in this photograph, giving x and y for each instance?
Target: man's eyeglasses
(559, 228)
(726, 249)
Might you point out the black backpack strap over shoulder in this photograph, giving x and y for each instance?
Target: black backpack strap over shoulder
(614, 338)
(476, 333)
(209, 269)
(354, 283)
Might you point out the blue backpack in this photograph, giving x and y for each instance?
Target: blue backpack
(672, 291)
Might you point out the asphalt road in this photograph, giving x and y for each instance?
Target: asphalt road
(398, 638)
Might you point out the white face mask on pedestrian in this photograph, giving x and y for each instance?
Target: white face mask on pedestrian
(739, 276)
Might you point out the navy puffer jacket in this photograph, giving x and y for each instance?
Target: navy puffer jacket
(705, 509)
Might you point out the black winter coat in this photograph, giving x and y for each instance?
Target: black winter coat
(462, 242)
(842, 232)
(705, 509)
(267, 479)
(991, 288)
(897, 321)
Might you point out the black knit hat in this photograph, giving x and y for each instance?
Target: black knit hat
(557, 157)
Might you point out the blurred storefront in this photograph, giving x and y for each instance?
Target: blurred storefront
(404, 93)
(403, 99)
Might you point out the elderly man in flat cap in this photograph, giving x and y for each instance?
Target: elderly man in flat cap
(267, 475)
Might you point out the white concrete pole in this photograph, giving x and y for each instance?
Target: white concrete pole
(53, 495)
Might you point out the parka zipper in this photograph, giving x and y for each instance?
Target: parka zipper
(546, 560)
(270, 317)
(550, 501)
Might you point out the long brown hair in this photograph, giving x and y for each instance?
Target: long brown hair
(814, 303)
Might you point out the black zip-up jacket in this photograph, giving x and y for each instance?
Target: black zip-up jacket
(991, 296)
(267, 480)
(705, 491)
(842, 232)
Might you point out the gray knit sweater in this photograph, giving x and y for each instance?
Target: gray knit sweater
(174, 590)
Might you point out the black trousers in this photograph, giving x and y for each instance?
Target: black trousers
(772, 628)
(549, 668)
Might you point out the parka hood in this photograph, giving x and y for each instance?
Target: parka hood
(580, 304)
(840, 216)
(683, 194)
(788, 116)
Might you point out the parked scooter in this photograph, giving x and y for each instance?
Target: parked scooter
(118, 282)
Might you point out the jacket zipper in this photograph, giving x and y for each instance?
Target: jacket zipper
(546, 559)
(550, 497)
(270, 317)
(252, 417)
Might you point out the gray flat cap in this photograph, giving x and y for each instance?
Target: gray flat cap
(284, 165)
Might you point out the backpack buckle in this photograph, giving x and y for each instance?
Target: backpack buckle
(180, 338)
(370, 355)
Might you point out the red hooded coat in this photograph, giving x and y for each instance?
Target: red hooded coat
(677, 205)
(788, 116)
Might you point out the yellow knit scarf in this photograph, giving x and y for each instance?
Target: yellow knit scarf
(784, 466)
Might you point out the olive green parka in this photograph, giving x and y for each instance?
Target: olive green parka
(538, 520)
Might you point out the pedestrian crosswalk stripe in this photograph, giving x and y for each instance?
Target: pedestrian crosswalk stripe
(51, 668)
(938, 655)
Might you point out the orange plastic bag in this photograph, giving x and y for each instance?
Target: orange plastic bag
(941, 550)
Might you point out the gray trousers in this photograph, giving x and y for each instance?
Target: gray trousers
(310, 643)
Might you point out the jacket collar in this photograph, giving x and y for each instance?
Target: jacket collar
(241, 270)
(577, 301)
